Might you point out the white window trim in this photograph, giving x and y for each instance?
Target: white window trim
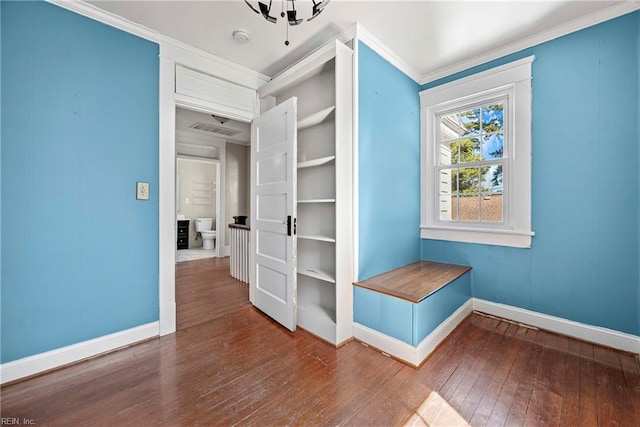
(515, 79)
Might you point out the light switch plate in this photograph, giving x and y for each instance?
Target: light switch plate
(142, 190)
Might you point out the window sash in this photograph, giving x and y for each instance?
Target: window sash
(478, 101)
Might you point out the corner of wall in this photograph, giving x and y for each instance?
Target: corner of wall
(1, 5)
(388, 175)
(638, 144)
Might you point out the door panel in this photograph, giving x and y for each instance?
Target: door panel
(273, 200)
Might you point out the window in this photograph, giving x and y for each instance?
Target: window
(476, 158)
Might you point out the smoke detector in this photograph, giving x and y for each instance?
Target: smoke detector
(241, 36)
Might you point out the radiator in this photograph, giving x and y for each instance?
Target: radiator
(239, 262)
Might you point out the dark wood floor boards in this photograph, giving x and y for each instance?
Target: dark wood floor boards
(545, 405)
(507, 393)
(205, 291)
(569, 385)
(465, 396)
(525, 387)
(229, 364)
(588, 411)
(494, 356)
(612, 404)
(406, 394)
(506, 359)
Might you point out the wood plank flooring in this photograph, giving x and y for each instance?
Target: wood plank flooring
(205, 291)
(229, 364)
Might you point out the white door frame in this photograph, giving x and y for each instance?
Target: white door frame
(167, 227)
(217, 163)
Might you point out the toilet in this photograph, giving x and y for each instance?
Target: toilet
(203, 226)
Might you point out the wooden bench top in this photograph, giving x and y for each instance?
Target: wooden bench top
(416, 281)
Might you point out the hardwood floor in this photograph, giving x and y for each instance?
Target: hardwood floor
(229, 364)
(205, 291)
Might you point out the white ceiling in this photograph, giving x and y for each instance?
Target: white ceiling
(429, 36)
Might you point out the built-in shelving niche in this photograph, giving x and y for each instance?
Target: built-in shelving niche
(322, 84)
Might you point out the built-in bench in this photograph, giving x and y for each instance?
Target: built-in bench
(406, 312)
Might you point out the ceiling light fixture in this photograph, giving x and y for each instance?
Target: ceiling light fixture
(291, 12)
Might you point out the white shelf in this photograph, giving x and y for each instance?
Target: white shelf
(316, 162)
(317, 201)
(315, 118)
(316, 273)
(319, 320)
(317, 237)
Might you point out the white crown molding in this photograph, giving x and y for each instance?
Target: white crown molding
(606, 14)
(59, 357)
(368, 38)
(170, 48)
(198, 59)
(593, 334)
(111, 19)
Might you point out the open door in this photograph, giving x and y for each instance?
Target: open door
(273, 214)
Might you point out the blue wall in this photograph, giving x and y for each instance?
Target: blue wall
(638, 122)
(79, 128)
(0, 177)
(389, 165)
(583, 263)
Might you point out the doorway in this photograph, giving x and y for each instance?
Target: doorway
(206, 137)
(197, 208)
(211, 181)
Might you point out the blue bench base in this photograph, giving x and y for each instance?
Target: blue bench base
(410, 331)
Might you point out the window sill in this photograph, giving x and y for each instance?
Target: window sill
(484, 236)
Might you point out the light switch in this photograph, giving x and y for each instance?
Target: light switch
(142, 190)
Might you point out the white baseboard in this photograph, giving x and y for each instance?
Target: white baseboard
(594, 334)
(426, 347)
(73, 353)
(389, 345)
(224, 251)
(401, 350)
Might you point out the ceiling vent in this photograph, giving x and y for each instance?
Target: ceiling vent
(211, 128)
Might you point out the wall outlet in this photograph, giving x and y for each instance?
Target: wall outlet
(142, 190)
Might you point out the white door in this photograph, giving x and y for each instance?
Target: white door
(273, 211)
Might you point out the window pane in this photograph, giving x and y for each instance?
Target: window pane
(493, 146)
(491, 207)
(459, 125)
(451, 128)
(469, 207)
(493, 118)
(470, 120)
(445, 207)
(468, 149)
(491, 179)
(465, 180)
(448, 154)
